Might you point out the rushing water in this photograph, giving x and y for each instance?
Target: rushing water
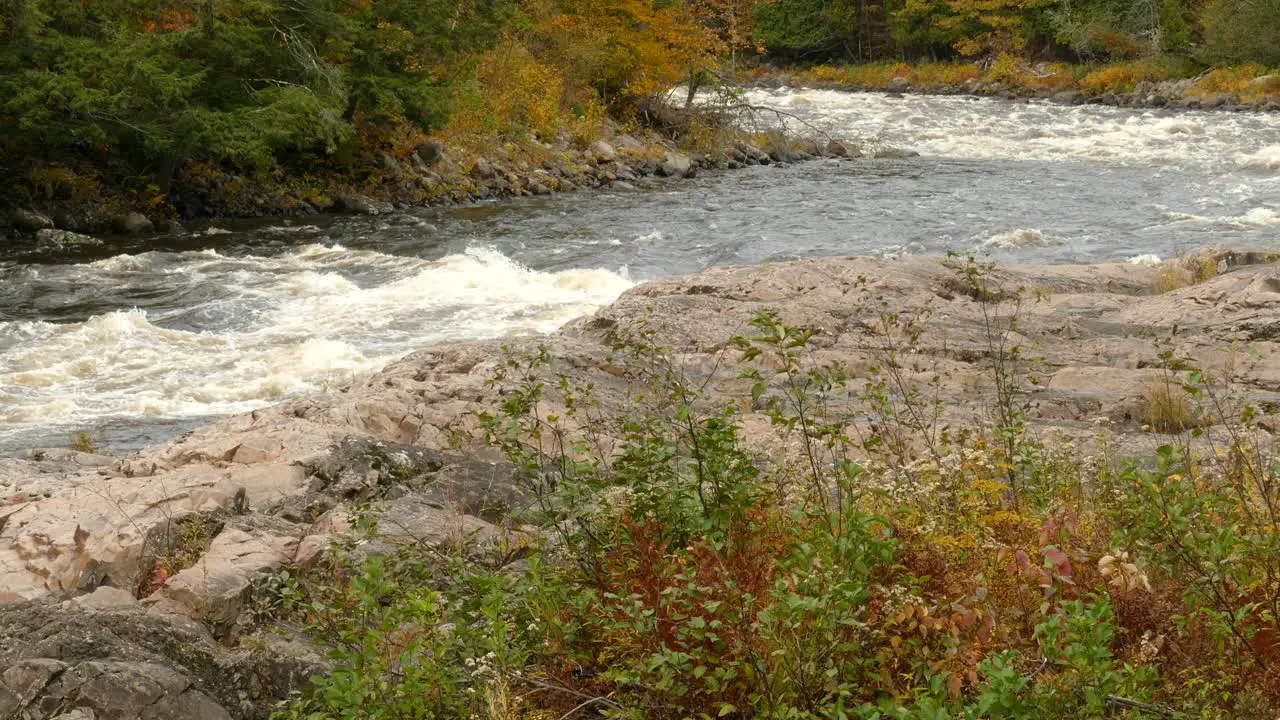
(158, 335)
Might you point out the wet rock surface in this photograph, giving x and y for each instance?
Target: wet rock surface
(81, 535)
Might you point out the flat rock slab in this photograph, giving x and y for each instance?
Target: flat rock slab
(79, 533)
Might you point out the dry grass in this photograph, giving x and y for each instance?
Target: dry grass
(1166, 407)
(1184, 272)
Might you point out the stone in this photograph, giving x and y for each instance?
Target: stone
(50, 239)
(676, 165)
(483, 170)
(82, 219)
(129, 664)
(171, 226)
(23, 681)
(892, 153)
(430, 152)
(30, 221)
(357, 204)
(276, 479)
(603, 151)
(133, 223)
(1068, 97)
(1218, 101)
(388, 163)
(248, 453)
(214, 590)
(77, 714)
(312, 549)
(898, 85)
(807, 148)
(843, 149)
(421, 519)
(106, 598)
(627, 143)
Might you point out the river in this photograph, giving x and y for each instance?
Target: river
(162, 334)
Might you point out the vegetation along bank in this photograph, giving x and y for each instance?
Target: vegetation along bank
(129, 116)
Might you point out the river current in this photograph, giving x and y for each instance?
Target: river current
(158, 335)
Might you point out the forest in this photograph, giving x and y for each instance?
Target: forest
(132, 93)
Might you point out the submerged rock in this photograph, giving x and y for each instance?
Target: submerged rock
(49, 239)
(893, 153)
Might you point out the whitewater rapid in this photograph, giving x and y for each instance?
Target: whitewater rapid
(146, 337)
(268, 328)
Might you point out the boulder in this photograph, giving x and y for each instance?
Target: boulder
(30, 221)
(125, 664)
(807, 147)
(133, 223)
(843, 149)
(483, 170)
(430, 152)
(130, 690)
(106, 598)
(82, 219)
(357, 204)
(422, 519)
(603, 151)
(50, 239)
(627, 143)
(214, 590)
(1068, 97)
(1217, 101)
(898, 85)
(676, 165)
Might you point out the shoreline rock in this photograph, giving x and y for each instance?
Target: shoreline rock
(431, 175)
(81, 540)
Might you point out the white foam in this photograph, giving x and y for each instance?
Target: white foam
(1147, 259)
(1257, 217)
(959, 127)
(298, 325)
(1021, 238)
(1267, 158)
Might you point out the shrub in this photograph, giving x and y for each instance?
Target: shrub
(685, 571)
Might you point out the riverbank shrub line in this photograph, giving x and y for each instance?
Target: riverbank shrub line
(170, 107)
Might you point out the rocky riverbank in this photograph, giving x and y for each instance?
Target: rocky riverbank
(133, 587)
(74, 209)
